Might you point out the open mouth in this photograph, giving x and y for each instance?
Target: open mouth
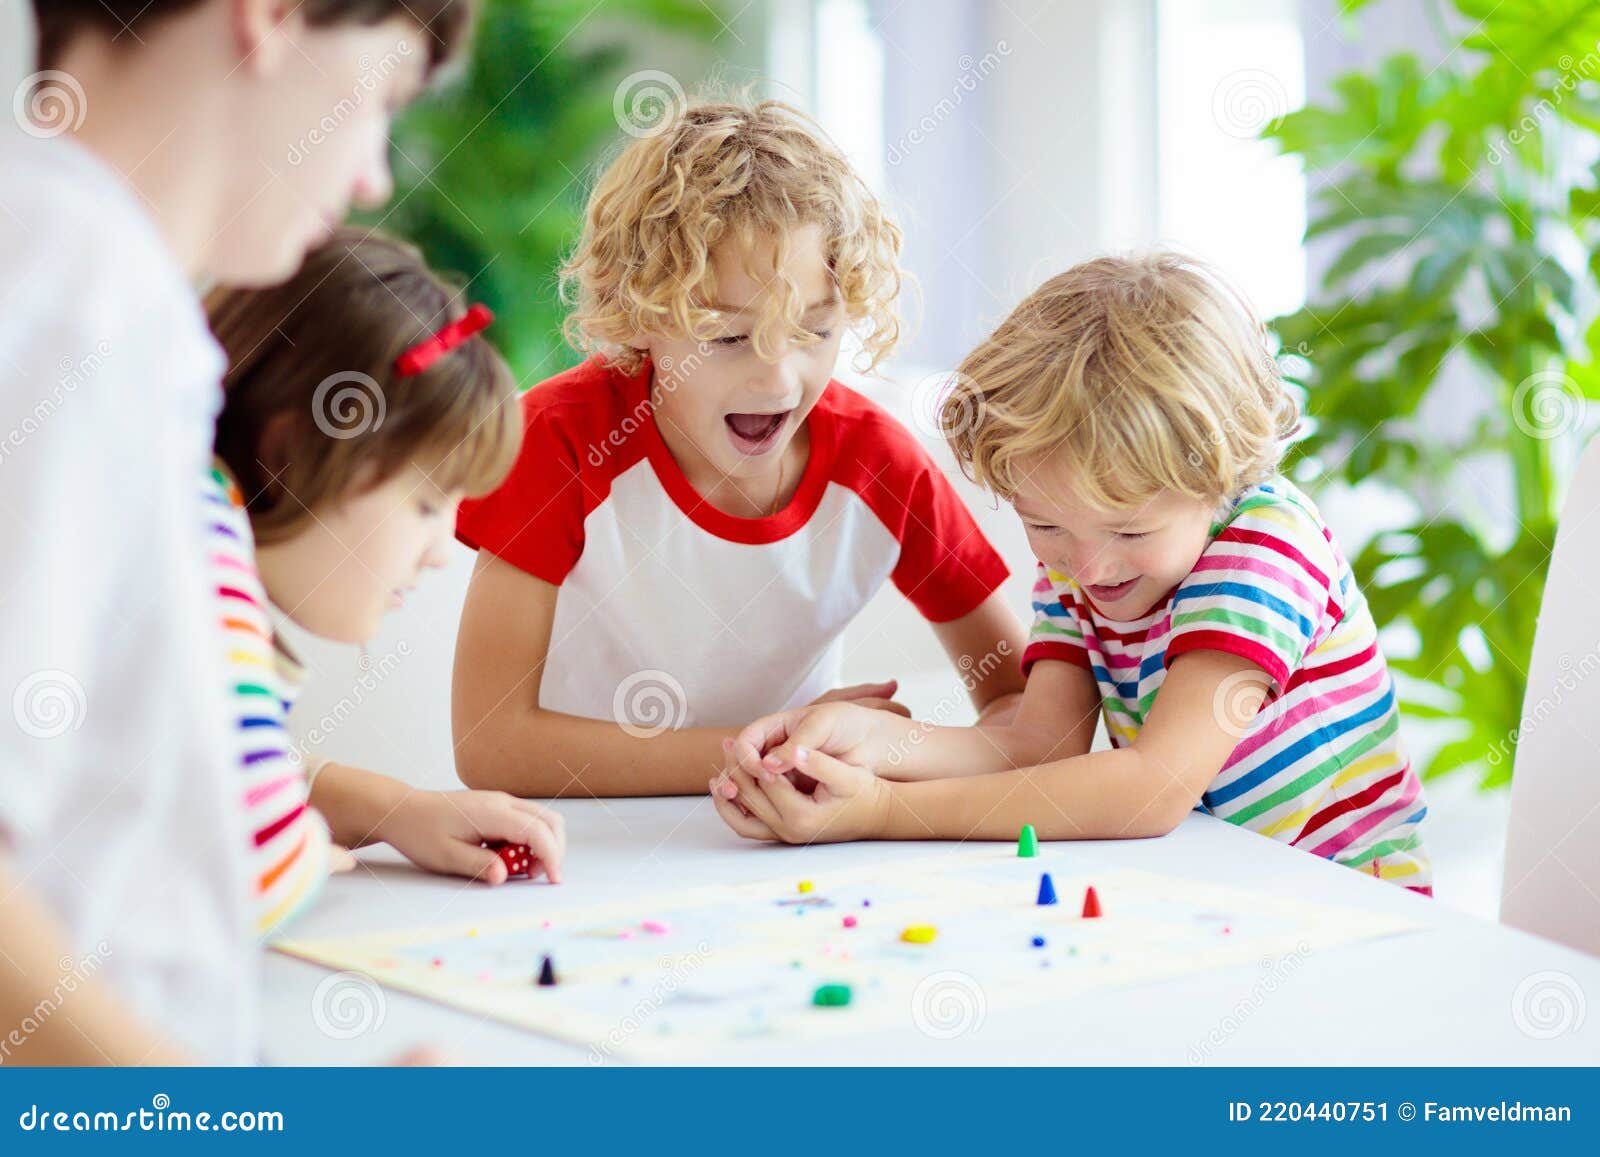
(1111, 592)
(755, 433)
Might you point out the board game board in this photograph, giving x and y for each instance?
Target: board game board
(690, 974)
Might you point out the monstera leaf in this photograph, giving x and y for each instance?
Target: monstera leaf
(1460, 284)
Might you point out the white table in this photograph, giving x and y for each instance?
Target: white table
(1442, 996)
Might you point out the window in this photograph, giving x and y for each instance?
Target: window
(1226, 70)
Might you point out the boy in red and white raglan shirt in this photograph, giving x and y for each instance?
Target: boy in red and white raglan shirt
(699, 510)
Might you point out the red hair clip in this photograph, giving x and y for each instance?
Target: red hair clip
(422, 355)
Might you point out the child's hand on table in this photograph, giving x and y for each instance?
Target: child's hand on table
(846, 802)
(770, 788)
(443, 831)
(847, 731)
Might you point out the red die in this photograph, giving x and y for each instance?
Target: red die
(518, 858)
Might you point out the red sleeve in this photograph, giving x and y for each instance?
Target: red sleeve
(535, 519)
(946, 566)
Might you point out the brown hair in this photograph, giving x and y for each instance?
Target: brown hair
(1148, 373)
(714, 169)
(446, 22)
(312, 362)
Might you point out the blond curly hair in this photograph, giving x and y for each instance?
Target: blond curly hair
(714, 170)
(1147, 373)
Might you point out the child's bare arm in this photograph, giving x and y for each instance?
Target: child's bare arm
(442, 831)
(1056, 719)
(1134, 792)
(986, 647)
(1145, 789)
(89, 1025)
(505, 740)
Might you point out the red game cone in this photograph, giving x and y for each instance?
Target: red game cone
(1091, 904)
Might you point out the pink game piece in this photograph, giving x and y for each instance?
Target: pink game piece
(655, 926)
(849, 921)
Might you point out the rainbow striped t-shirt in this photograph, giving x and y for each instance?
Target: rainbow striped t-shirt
(1321, 767)
(289, 841)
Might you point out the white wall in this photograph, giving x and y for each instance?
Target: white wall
(387, 707)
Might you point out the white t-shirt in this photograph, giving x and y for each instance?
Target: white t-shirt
(672, 613)
(115, 802)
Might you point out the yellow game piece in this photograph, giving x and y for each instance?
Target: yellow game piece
(805, 886)
(919, 934)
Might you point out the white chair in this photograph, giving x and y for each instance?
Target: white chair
(1552, 873)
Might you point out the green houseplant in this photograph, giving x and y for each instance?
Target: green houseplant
(491, 172)
(1451, 345)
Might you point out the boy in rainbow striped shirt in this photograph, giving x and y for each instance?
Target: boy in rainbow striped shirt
(1132, 413)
